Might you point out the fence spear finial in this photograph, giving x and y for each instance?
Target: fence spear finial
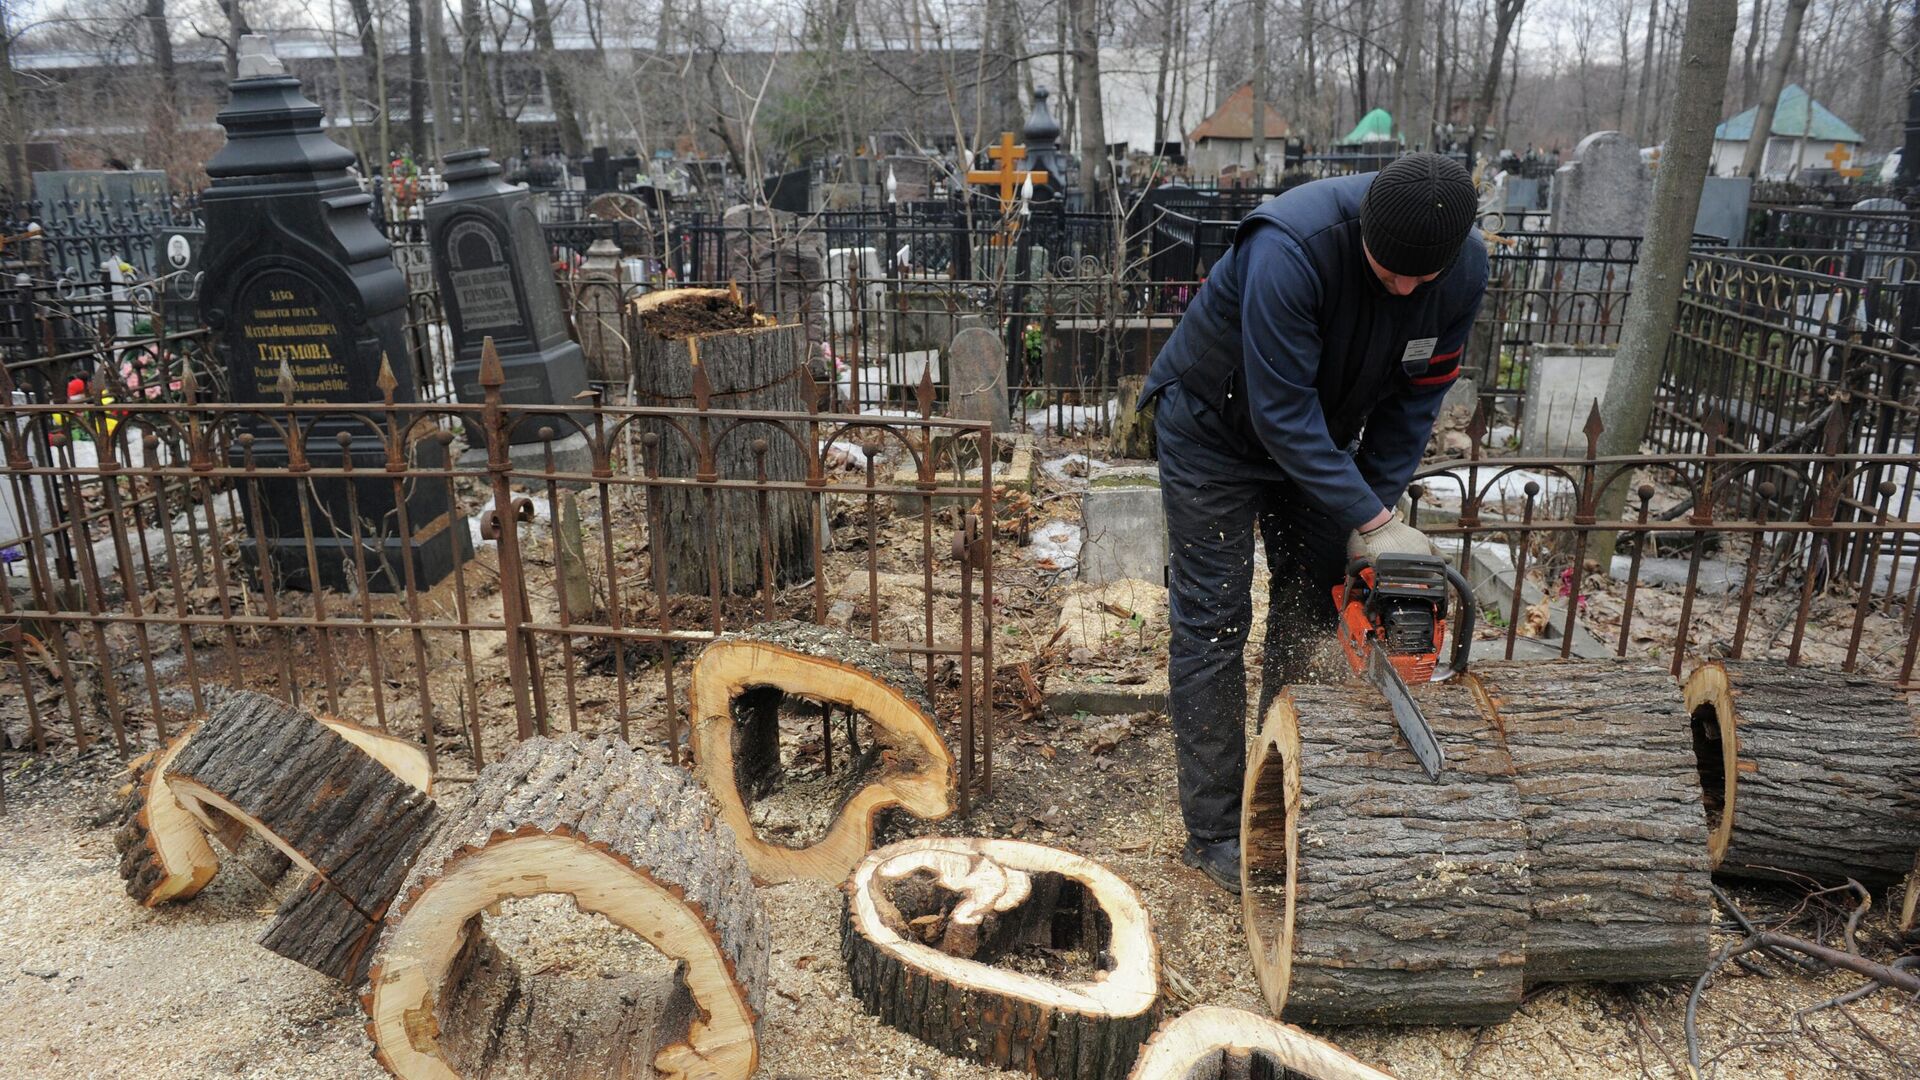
(386, 380)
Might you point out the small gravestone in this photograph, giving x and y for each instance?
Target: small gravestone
(1561, 391)
(977, 378)
(599, 304)
(1126, 526)
(491, 259)
(177, 255)
(1723, 208)
(304, 300)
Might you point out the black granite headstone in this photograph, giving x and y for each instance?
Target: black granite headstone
(490, 257)
(299, 284)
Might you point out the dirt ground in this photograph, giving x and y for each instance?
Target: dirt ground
(92, 985)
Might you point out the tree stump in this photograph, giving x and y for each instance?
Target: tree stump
(164, 853)
(1132, 435)
(310, 788)
(1616, 844)
(1214, 1043)
(1372, 894)
(748, 366)
(909, 766)
(626, 838)
(943, 936)
(1805, 771)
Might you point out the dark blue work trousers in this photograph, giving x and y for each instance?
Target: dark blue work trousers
(1215, 492)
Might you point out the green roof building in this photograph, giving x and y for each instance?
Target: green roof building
(1806, 135)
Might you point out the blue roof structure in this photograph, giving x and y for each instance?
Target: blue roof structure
(1795, 115)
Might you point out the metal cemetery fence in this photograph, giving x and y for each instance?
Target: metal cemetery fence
(135, 586)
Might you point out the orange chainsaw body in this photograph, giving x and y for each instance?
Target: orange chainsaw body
(1359, 633)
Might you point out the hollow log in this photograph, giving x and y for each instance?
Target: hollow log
(626, 838)
(941, 937)
(164, 853)
(750, 368)
(337, 812)
(1616, 844)
(1215, 1043)
(1805, 771)
(1372, 894)
(912, 769)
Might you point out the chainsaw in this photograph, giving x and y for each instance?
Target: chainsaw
(1393, 625)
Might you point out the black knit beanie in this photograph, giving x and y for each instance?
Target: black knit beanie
(1417, 212)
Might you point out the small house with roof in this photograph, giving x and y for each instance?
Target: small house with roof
(1226, 137)
(1806, 136)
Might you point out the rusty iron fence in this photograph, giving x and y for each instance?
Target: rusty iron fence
(1547, 290)
(137, 575)
(1811, 556)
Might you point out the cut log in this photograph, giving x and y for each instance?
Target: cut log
(750, 367)
(164, 853)
(1805, 771)
(1015, 955)
(912, 768)
(626, 838)
(1616, 844)
(1214, 1043)
(338, 813)
(1907, 918)
(1372, 894)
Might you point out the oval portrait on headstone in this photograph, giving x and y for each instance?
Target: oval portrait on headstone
(179, 252)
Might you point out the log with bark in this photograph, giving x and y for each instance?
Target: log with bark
(748, 366)
(626, 838)
(907, 764)
(164, 851)
(1215, 1043)
(312, 789)
(1372, 894)
(1012, 954)
(1805, 771)
(1907, 917)
(1616, 843)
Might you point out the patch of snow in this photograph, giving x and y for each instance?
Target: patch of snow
(1055, 545)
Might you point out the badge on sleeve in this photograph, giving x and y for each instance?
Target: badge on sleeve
(1416, 355)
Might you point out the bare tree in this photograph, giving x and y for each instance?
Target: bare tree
(558, 93)
(1700, 92)
(1770, 90)
(1505, 13)
(1096, 174)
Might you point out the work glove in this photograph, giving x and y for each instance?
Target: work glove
(1394, 537)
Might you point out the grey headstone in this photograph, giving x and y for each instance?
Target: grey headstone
(1561, 390)
(1126, 526)
(1605, 189)
(780, 265)
(977, 373)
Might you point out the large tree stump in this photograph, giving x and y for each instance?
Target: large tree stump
(1806, 771)
(1616, 845)
(1372, 894)
(1214, 1043)
(311, 789)
(909, 766)
(748, 367)
(626, 838)
(943, 936)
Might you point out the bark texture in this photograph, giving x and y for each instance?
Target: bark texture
(734, 692)
(336, 811)
(1616, 842)
(979, 902)
(164, 853)
(754, 368)
(1806, 771)
(1372, 894)
(1214, 1043)
(626, 838)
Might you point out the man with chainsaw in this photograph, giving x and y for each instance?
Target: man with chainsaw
(1298, 393)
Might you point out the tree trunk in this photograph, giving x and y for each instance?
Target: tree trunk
(558, 94)
(697, 533)
(438, 92)
(1096, 173)
(626, 838)
(1406, 59)
(478, 114)
(237, 28)
(909, 766)
(1258, 127)
(1699, 92)
(329, 800)
(417, 84)
(1216, 1043)
(1777, 68)
(12, 114)
(1132, 435)
(928, 927)
(1642, 108)
(1371, 894)
(1505, 13)
(1616, 842)
(1805, 771)
(1747, 67)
